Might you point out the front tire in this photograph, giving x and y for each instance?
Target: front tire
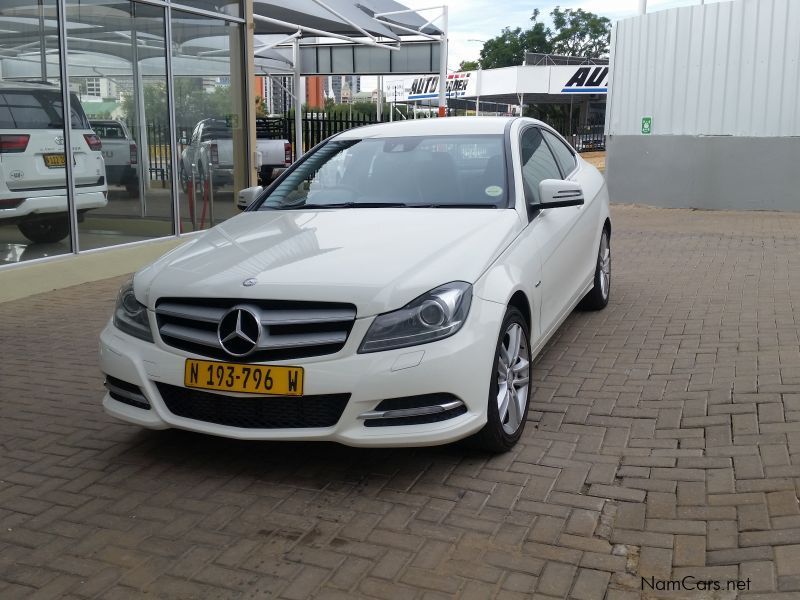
(597, 298)
(45, 230)
(509, 388)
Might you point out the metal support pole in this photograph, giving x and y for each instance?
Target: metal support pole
(173, 129)
(42, 43)
(443, 66)
(142, 147)
(210, 184)
(380, 99)
(478, 93)
(298, 101)
(193, 200)
(642, 7)
(67, 120)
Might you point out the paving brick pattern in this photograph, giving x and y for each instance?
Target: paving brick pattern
(664, 441)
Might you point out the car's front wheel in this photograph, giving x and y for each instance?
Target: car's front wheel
(45, 230)
(509, 388)
(598, 296)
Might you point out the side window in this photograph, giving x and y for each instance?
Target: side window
(564, 156)
(538, 163)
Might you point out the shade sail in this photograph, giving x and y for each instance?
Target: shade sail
(307, 13)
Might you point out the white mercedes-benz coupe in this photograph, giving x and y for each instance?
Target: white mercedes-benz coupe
(390, 289)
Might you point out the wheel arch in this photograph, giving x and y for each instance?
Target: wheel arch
(519, 300)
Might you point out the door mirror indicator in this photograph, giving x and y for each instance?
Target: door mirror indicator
(557, 193)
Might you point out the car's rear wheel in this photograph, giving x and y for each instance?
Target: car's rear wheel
(509, 388)
(45, 230)
(265, 176)
(597, 298)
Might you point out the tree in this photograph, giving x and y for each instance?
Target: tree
(468, 65)
(192, 102)
(575, 33)
(580, 33)
(508, 49)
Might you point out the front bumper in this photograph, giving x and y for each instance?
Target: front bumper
(460, 365)
(47, 204)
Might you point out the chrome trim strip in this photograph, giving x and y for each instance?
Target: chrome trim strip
(411, 412)
(126, 394)
(301, 340)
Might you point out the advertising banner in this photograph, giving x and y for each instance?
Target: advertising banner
(583, 79)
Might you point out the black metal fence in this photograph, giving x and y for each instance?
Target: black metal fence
(319, 126)
(583, 137)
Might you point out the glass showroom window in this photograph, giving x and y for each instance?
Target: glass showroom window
(210, 119)
(117, 63)
(34, 220)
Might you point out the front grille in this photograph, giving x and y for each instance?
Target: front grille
(264, 412)
(289, 329)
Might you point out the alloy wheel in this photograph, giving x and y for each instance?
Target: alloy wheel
(513, 376)
(605, 265)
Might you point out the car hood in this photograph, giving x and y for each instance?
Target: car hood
(378, 259)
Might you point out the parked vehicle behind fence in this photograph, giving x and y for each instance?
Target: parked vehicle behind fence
(209, 151)
(120, 154)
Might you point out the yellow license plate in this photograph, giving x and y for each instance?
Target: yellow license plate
(54, 160)
(249, 379)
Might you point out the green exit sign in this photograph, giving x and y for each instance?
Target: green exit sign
(647, 125)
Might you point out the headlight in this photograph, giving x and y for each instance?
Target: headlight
(130, 315)
(433, 316)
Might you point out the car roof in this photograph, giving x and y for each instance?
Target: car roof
(426, 127)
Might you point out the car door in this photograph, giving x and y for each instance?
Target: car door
(553, 228)
(587, 229)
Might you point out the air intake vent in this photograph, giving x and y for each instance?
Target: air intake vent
(263, 412)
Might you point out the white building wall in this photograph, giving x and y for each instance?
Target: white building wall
(729, 68)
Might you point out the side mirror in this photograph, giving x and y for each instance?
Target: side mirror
(555, 193)
(248, 196)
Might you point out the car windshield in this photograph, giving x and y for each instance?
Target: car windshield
(38, 109)
(108, 131)
(463, 171)
(216, 130)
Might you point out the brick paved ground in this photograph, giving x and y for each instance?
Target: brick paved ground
(665, 440)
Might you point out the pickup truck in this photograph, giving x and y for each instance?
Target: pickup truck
(210, 150)
(120, 154)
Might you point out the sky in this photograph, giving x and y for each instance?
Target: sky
(484, 19)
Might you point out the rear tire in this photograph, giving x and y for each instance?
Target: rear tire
(509, 387)
(265, 176)
(45, 230)
(597, 298)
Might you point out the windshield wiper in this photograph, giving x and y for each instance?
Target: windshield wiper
(464, 205)
(344, 205)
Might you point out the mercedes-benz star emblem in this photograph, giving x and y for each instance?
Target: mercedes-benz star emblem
(239, 331)
(249, 282)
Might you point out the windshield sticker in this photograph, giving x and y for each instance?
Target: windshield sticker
(493, 190)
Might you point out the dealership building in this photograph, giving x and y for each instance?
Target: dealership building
(703, 110)
(140, 76)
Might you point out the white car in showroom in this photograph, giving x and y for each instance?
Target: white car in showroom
(33, 193)
(390, 289)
